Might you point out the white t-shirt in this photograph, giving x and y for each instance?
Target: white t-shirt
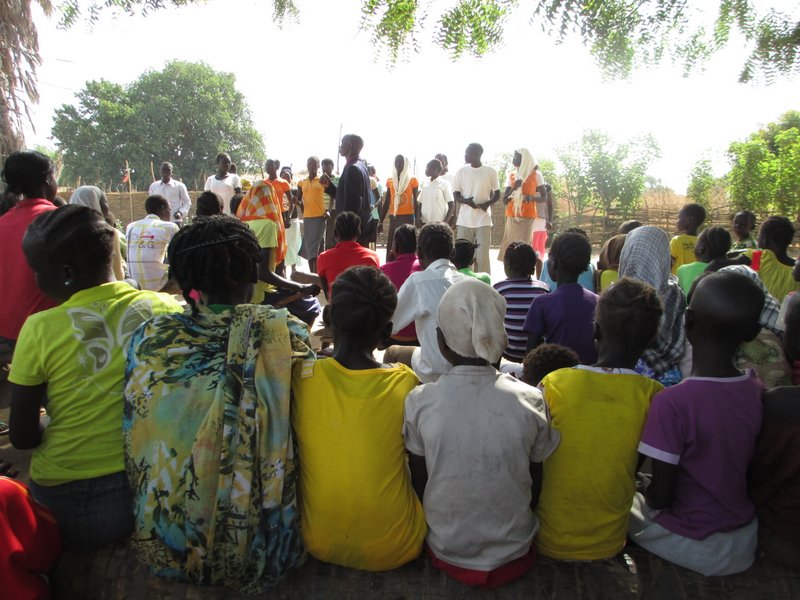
(433, 200)
(176, 194)
(478, 430)
(148, 239)
(224, 188)
(478, 184)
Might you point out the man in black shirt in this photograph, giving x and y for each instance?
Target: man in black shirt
(353, 191)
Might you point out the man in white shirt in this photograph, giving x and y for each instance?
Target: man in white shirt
(476, 188)
(418, 303)
(174, 191)
(148, 239)
(435, 202)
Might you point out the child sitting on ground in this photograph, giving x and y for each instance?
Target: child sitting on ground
(565, 316)
(585, 278)
(743, 224)
(774, 477)
(357, 504)
(347, 252)
(464, 256)
(519, 290)
(712, 245)
(701, 435)
(404, 264)
(681, 246)
(478, 487)
(589, 481)
(544, 359)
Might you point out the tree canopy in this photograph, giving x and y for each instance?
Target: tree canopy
(185, 114)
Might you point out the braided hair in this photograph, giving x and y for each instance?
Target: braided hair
(213, 255)
(630, 310)
(347, 226)
(405, 239)
(776, 230)
(25, 171)
(363, 301)
(72, 234)
(463, 253)
(712, 243)
(572, 251)
(520, 260)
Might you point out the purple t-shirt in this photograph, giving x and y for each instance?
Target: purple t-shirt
(707, 426)
(398, 271)
(565, 317)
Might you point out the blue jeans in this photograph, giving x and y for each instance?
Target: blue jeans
(90, 512)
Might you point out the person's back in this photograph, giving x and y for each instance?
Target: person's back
(347, 253)
(404, 264)
(358, 507)
(148, 239)
(712, 245)
(681, 246)
(700, 435)
(588, 482)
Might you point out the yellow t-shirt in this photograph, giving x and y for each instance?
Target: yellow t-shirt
(266, 232)
(776, 276)
(358, 507)
(313, 197)
(681, 248)
(78, 350)
(588, 482)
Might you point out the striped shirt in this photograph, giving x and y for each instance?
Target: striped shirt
(519, 292)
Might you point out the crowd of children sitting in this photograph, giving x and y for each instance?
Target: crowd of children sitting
(502, 421)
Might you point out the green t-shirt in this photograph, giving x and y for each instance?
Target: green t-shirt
(484, 277)
(688, 273)
(78, 349)
(266, 232)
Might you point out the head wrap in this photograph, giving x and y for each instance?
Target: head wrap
(645, 256)
(400, 182)
(87, 195)
(261, 202)
(523, 171)
(470, 317)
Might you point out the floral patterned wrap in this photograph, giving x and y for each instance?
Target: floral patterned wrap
(208, 445)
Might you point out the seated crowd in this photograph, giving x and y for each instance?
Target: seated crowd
(647, 400)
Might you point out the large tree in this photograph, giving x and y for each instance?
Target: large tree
(765, 168)
(185, 114)
(606, 174)
(619, 33)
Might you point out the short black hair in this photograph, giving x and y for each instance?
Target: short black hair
(520, 259)
(544, 359)
(72, 234)
(629, 312)
(751, 218)
(405, 239)
(25, 171)
(347, 226)
(572, 252)
(778, 230)
(356, 141)
(712, 243)
(463, 253)
(476, 146)
(435, 241)
(166, 163)
(729, 304)
(326, 161)
(695, 211)
(628, 226)
(213, 255)
(222, 155)
(363, 301)
(155, 204)
(435, 164)
(208, 204)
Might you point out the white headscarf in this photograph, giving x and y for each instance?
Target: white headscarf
(400, 182)
(471, 316)
(523, 171)
(88, 195)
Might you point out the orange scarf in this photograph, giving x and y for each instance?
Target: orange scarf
(262, 202)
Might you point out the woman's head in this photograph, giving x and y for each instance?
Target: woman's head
(363, 301)
(569, 255)
(520, 260)
(776, 234)
(93, 197)
(216, 256)
(743, 224)
(347, 226)
(405, 239)
(628, 314)
(223, 163)
(463, 253)
(69, 249)
(645, 256)
(30, 174)
(208, 205)
(712, 243)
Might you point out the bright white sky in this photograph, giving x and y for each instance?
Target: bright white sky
(531, 93)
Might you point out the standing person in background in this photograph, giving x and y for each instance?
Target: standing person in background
(175, 192)
(354, 189)
(375, 201)
(292, 220)
(476, 188)
(543, 222)
(262, 201)
(524, 187)
(225, 184)
(435, 202)
(681, 246)
(330, 181)
(311, 198)
(148, 239)
(400, 201)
